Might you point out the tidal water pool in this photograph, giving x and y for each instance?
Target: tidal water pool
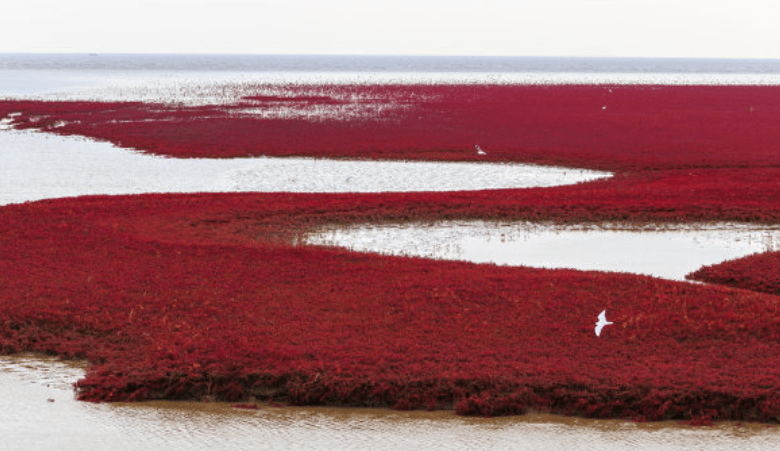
(668, 251)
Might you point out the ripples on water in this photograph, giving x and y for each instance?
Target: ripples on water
(220, 78)
(40, 166)
(38, 412)
(668, 251)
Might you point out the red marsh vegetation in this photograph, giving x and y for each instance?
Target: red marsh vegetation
(601, 127)
(758, 272)
(191, 296)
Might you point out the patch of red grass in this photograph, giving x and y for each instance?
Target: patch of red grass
(187, 316)
(642, 127)
(758, 272)
(190, 296)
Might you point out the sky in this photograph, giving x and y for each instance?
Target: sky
(600, 28)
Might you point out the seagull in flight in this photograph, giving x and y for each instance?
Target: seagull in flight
(480, 151)
(602, 322)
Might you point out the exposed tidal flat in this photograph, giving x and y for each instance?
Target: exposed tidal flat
(407, 436)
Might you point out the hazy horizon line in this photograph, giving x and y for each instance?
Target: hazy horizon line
(389, 55)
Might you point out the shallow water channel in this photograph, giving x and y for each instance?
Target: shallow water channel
(43, 166)
(37, 406)
(668, 251)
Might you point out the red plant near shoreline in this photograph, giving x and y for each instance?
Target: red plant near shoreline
(758, 272)
(641, 128)
(190, 318)
(203, 295)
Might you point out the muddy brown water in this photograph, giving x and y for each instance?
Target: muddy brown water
(38, 411)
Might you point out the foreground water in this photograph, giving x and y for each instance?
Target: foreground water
(38, 412)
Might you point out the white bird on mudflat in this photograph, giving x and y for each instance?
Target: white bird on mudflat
(480, 151)
(602, 322)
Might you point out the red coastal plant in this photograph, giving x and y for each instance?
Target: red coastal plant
(758, 272)
(189, 296)
(185, 317)
(619, 128)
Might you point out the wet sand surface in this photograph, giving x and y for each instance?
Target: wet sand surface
(38, 411)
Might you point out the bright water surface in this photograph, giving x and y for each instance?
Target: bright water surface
(37, 409)
(43, 166)
(209, 78)
(669, 252)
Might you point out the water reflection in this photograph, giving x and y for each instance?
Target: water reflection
(217, 87)
(662, 250)
(41, 166)
(38, 412)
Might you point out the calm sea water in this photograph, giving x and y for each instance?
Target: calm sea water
(378, 64)
(101, 75)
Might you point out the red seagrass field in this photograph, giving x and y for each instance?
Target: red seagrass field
(208, 296)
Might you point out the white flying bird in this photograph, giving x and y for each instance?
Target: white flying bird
(602, 322)
(480, 151)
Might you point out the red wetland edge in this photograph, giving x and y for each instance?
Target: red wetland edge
(206, 296)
